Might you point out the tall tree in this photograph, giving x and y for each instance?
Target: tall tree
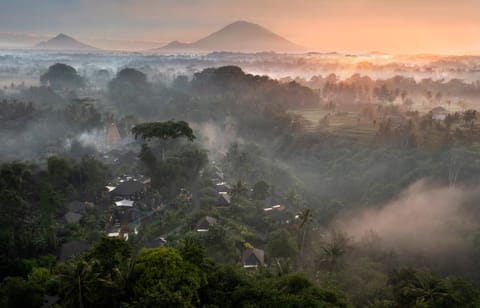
(306, 217)
(164, 279)
(163, 131)
(62, 76)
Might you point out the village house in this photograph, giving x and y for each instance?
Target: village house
(72, 218)
(124, 203)
(72, 249)
(75, 213)
(439, 114)
(222, 187)
(278, 214)
(155, 243)
(128, 187)
(205, 223)
(253, 258)
(224, 199)
(76, 206)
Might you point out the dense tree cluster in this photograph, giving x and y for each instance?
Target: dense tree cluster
(62, 77)
(31, 200)
(264, 176)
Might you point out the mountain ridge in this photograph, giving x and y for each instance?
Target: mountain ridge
(64, 42)
(239, 36)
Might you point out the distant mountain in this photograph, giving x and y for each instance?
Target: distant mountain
(64, 42)
(240, 36)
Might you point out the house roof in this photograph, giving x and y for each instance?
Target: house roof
(253, 257)
(205, 222)
(278, 216)
(275, 208)
(438, 109)
(158, 242)
(224, 199)
(124, 202)
(72, 217)
(222, 187)
(277, 213)
(72, 249)
(76, 206)
(127, 188)
(49, 301)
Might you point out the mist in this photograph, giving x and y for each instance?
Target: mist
(426, 225)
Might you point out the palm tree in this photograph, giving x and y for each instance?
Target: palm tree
(332, 250)
(83, 284)
(428, 289)
(78, 280)
(306, 217)
(294, 199)
(239, 189)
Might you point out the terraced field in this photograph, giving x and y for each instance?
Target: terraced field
(346, 124)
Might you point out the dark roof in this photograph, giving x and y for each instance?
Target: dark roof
(224, 200)
(49, 301)
(223, 187)
(158, 242)
(253, 257)
(128, 188)
(72, 249)
(76, 206)
(206, 222)
(72, 217)
(438, 109)
(278, 216)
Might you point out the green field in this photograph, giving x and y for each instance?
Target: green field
(347, 124)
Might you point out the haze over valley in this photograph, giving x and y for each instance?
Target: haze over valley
(216, 154)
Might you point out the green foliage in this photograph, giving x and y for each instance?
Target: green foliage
(31, 199)
(82, 285)
(193, 252)
(282, 243)
(16, 292)
(82, 115)
(15, 114)
(164, 130)
(163, 278)
(229, 287)
(469, 116)
(43, 278)
(130, 75)
(130, 91)
(179, 170)
(424, 289)
(147, 157)
(110, 253)
(59, 170)
(261, 190)
(289, 291)
(62, 76)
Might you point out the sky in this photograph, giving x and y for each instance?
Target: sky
(393, 26)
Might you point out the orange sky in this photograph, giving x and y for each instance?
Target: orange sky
(394, 26)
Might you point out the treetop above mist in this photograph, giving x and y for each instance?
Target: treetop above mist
(164, 130)
(62, 76)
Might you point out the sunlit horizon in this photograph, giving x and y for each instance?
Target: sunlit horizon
(347, 26)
